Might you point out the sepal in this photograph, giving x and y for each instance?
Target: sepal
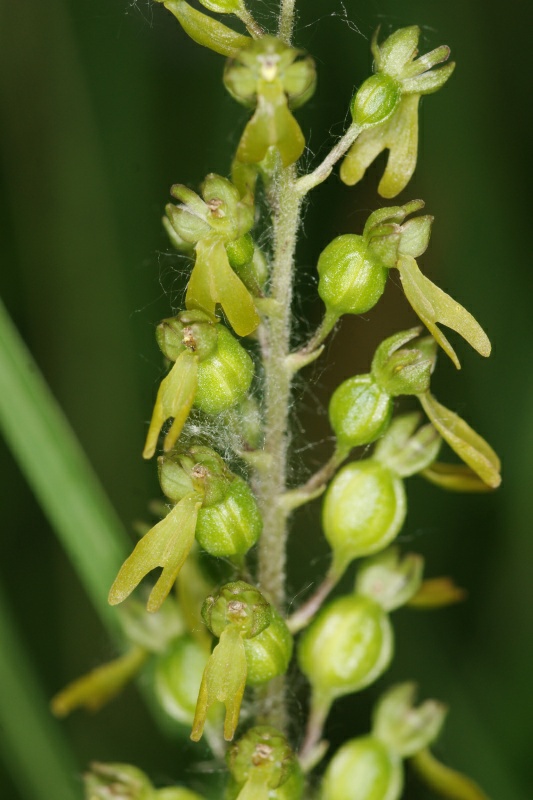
(400, 370)
(401, 726)
(240, 605)
(406, 450)
(388, 235)
(198, 469)
(389, 579)
(195, 331)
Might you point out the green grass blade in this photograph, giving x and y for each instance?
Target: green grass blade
(58, 471)
(33, 748)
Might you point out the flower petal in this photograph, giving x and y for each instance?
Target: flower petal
(166, 545)
(433, 305)
(402, 140)
(223, 681)
(174, 399)
(468, 444)
(98, 687)
(213, 281)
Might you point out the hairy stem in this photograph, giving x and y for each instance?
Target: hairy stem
(323, 171)
(306, 612)
(277, 387)
(252, 26)
(285, 205)
(286, 20)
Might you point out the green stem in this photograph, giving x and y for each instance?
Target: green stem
(58, 471)
(33, 749)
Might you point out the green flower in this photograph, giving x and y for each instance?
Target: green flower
(213, 225)
(386, 106)
(272, 77)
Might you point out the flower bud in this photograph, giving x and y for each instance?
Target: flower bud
(376, 100)
(178, 674)
(404, 370)
(363, 511)
(405, 450)
(238, 604)
(117, 782)
(346, 647)
(389, 579)
(351, 281)
(191, 330)
(403, 728)
(224, 377)
(268, 654)
(260, 763)
(233, 525)
(363, 769)
(359, 411)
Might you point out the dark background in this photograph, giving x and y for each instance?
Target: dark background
(105, 104)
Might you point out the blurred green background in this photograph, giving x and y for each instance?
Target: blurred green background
(105, 104)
